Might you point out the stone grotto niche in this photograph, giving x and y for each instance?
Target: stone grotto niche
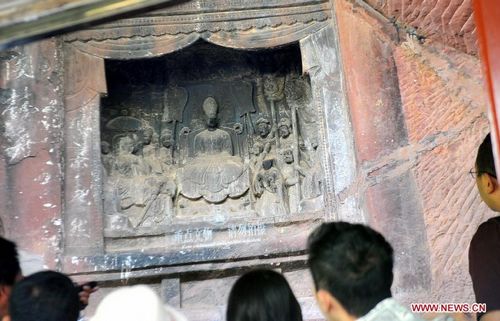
(208, 145)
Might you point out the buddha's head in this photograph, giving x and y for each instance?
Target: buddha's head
(210, 108)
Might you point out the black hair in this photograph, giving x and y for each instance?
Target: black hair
(353, 263)
(485, 162)
(262, 295)
(44, 296)
(9, 262)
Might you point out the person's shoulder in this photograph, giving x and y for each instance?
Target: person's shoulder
(390, 309)
(487, 229)
(486, 237)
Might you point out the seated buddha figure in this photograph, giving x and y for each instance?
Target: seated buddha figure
(213, 173)
(212, 140)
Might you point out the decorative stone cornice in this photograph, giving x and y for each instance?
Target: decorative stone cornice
(203, 16)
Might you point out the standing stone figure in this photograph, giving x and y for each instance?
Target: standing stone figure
(291, 171)
(270, 191)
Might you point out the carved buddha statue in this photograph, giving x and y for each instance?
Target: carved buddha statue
(212, 141)
(214, 173)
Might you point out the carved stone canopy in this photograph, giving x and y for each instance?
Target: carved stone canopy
(229, 23)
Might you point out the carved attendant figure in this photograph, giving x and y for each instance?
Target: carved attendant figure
(150, 150)
(272, 199)
(165, 152)
(284, 128)
(263, 127)
(126, 162)
(289, 170)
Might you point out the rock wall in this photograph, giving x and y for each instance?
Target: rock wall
(419, 113)
(444, 107)
(31, 117)
(448, 22)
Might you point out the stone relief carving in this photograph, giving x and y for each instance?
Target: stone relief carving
(206, 146)
(214, 172)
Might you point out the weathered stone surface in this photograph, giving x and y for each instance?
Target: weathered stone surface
(448, 22)
(31, 112)
(395, 211)
(385, 186)
(321, 60)
(453, 210)
(234, 24)
(84, 82)
(439, 94)
(28, 20)
(170, 292)
(444, 108)
(371, 82)
(207, 293)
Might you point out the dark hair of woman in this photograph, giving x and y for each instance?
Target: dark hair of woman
(262, 295)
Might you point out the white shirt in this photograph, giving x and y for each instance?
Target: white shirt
(390, 310)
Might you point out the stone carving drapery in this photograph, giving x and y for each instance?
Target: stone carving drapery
(228, 23)
(284, 129)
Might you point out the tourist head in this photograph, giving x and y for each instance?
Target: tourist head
(10, 272)
(135, 303)
(44, 296)
(262, 295)
(351, 265)
(486, 178)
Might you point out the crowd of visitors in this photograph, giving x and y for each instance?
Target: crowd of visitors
(351, 266)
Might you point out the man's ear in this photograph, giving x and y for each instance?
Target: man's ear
(326, 301)
(4, 299)
(4, 292)
(489, 183)
(6, 318)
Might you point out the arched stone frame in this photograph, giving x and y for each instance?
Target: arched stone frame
(86, 83)
(85, 78)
